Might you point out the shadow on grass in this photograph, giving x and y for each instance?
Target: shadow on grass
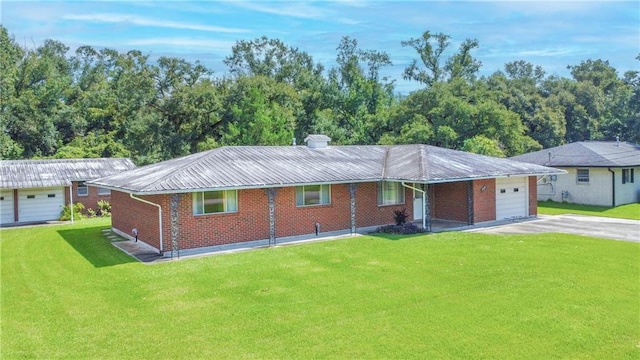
(93, 246)
(395, 237)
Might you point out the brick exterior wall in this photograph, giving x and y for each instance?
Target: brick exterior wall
(251, 221)
(368, 213)
(128, 213)
(90, 201)
(293, 220)
(533, 196)
(484, 202)
(450, 201)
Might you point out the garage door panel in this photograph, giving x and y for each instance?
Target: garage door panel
(6, 207)
(40, 204)
(511, 198)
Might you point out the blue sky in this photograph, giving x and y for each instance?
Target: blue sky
(552, 34)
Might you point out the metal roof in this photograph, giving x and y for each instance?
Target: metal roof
(21, 174)
(272, 166)
(586, 154)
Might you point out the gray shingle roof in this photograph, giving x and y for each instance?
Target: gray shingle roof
(21, 174)
(586, 154)
(270, 166)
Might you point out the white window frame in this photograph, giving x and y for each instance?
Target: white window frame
(390, 193)
(104, 191)
(627, 176)
(229, 201)
(83, 185)
(306, 195)
(581, 177)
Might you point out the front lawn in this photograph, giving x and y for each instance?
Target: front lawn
(68, 293)
(628, 211)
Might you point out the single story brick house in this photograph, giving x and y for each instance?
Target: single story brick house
(597, 172)
(245, 194)
(36, 190)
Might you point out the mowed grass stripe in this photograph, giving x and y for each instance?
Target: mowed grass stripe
(67, 292)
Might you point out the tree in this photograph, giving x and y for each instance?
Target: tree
(430, 49)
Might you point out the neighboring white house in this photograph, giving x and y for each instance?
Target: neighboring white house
(598, 172)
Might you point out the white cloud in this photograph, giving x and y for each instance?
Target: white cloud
(143, 21)
(182, 42)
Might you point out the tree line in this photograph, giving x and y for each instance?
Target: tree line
(105, 103)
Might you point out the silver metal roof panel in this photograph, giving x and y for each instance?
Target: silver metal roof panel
(271, 166)
(22, 174)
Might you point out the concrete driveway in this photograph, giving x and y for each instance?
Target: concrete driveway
(601, 227)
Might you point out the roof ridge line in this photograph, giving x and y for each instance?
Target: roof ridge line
(384, 161)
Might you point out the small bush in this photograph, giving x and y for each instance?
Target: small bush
(400, 216)
(91, 212)
(104, 208)
(65, 214)
(404, 229)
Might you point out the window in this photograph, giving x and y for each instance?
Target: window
(103, 191)
(627, 176)
(212, 202)
(51, 195)
(313, 195)
(583, 176)
(83, 189)
(390, 193)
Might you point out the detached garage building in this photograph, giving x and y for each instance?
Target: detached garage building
(36, 190)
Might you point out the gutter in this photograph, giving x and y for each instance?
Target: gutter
(71, 200)
(424, 216)
(159, 216)
(613, 187)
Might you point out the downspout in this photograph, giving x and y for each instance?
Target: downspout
(424, 218)
(613, 187)
(159, 216)
(71, 200)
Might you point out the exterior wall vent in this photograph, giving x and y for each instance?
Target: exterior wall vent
(317, 141)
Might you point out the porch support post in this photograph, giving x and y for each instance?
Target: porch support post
(271, 196)
(175, 226)
(470, 202)
(427, 208)
(352, 195)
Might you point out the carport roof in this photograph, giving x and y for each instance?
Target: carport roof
(22, 174)
(272, 166)
(586, 154)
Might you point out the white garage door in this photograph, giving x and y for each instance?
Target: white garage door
(511, 198)
(6, 206)
(40, 204)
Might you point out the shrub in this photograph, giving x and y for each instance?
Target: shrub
(404, 229)
(104, 207)
(400, 216)
(65, 214)
(91, 212)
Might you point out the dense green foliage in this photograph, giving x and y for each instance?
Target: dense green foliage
(103, 103)
(67, 293)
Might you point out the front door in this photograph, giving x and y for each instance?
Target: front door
(417, 205)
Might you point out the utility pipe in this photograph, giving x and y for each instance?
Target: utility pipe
(424, 219)
(159, 216)
(71, 201)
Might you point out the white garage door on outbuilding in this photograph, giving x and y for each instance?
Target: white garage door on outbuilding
(6, 207)
(40, 204)
(512, 198)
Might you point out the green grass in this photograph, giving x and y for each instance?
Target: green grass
(629, 211)
(68, 293)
